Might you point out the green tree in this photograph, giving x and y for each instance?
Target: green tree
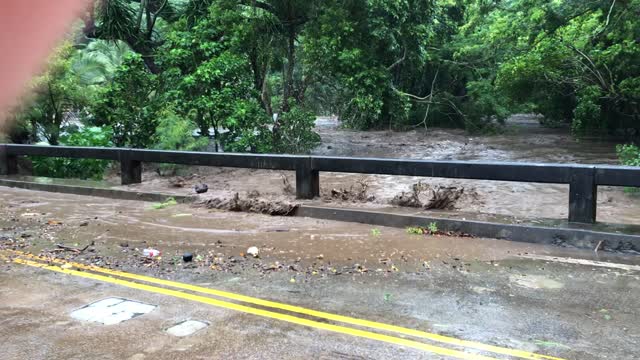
(134, 22)
(129, 104)
(572, 61)
(204, 78)
(97, 62)
(215, 77)
(55, 93)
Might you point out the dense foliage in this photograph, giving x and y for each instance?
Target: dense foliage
(629, 154)
(253, 74)
(76, 168)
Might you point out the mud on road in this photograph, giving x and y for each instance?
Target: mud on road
(473, 289)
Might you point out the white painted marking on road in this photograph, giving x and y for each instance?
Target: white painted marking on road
(187, 328)
(112, 311)
(581, 262)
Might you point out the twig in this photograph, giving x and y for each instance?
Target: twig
(76, 250)
(598, 246)
(404, 56)
(426, 114)
(609, 15)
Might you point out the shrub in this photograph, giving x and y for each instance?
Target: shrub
(294, 133)
(76, 168)
(629, 155)
(176, 133)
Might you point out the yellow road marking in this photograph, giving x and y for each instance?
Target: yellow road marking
(319, 314)
(264, 313)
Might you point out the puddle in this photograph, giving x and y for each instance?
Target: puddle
(111, 311)
(535, 282)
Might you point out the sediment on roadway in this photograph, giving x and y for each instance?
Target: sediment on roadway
(599, 237)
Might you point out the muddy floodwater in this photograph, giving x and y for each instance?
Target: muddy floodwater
(523, 141)
(116, 232)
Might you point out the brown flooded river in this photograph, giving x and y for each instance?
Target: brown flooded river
(524, 141)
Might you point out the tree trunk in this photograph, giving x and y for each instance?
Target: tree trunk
(260, 74)
(53, 131)
(203, 125)
(146, 52)
(265, 96)
(291, 59)
(216, 136)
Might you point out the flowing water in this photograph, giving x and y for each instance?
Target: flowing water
(524, 141)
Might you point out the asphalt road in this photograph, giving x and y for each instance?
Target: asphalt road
(430, 297)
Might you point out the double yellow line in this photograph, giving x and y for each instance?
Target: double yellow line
(116, 277)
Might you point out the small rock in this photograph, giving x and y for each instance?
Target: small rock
(253, 251)
(201, 188)
(187, 257)
(320, 257)
(84, 224)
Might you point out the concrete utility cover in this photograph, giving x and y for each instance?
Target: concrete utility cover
(112, 311)
(186, 328)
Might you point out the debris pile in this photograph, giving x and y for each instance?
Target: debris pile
(441, 197)
(444, 198)
(286, 186)
(355, 193)
(252, 205)
(177, 182)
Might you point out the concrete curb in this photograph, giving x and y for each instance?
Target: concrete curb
(92, 191)
(561, 236)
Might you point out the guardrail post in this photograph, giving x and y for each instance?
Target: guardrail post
(583, 195)
(130, 170)
(8, 163)
(307, 180)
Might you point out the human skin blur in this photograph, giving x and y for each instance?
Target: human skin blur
(29, 30)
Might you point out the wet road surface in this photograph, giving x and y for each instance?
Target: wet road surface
(483, 290)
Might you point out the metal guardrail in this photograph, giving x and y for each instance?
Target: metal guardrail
(583, 180)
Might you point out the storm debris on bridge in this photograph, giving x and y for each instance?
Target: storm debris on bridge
(251, 205)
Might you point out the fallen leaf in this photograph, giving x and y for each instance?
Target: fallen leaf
(181, 215)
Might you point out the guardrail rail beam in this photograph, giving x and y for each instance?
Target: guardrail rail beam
(583, 180)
